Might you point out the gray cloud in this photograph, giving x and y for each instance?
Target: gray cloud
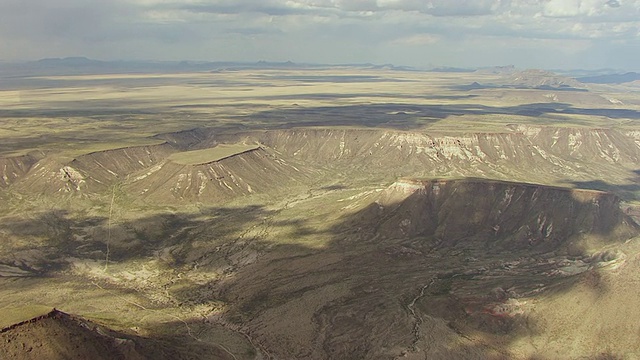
(613, 3)
(553, 33)
(238, 7)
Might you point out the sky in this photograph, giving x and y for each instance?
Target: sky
(547, 34)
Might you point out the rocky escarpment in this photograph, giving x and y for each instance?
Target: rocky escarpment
(521, 143)
(548, 155)
(497, 215)
(107, 167)
(246, 173)
(581, 144)
(523, 153)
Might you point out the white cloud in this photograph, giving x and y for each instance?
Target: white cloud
(573, 8)
(562, 8)
(417, 40)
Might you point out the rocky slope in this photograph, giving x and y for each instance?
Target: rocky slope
(254, 171)
(524, 153)
(435, 269)
(534, 154)
(501, 216)
(58, 335)
(13, 168)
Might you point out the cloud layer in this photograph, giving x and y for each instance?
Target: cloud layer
(527, 33)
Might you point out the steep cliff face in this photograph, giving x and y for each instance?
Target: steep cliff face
(547, 155)
(381, 150)
(522, 144)
(536, 154)
(592, 145)
(500, 215)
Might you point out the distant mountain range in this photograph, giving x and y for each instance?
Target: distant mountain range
(537, 79)
(83, 65)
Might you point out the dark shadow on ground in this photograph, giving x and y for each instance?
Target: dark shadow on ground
(406, 117)
(438, 264)
(628, 190)
(388, 115)
(477, 86)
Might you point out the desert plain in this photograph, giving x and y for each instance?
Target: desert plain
(329, 212)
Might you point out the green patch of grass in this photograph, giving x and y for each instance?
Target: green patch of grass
(205, 156)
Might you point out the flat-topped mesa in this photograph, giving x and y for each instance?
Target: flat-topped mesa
(537, 154)
(499, 214)
(544, 150)
(213, 154)
(209, 177)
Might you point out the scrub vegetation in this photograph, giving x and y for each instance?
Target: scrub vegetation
(319, 213)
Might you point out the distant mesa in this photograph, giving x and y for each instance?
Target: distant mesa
(528, 79)
(473, 86)
(611, 78)
(268, 64)
(209, 155)
(536, 78)
(452, 69)
(70, 61)
(508, 69)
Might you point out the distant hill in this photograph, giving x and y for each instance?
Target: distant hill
(536, 78)
(69, 61)
(452, 69)
(611, 78)
(508, 69)
(526, 79)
